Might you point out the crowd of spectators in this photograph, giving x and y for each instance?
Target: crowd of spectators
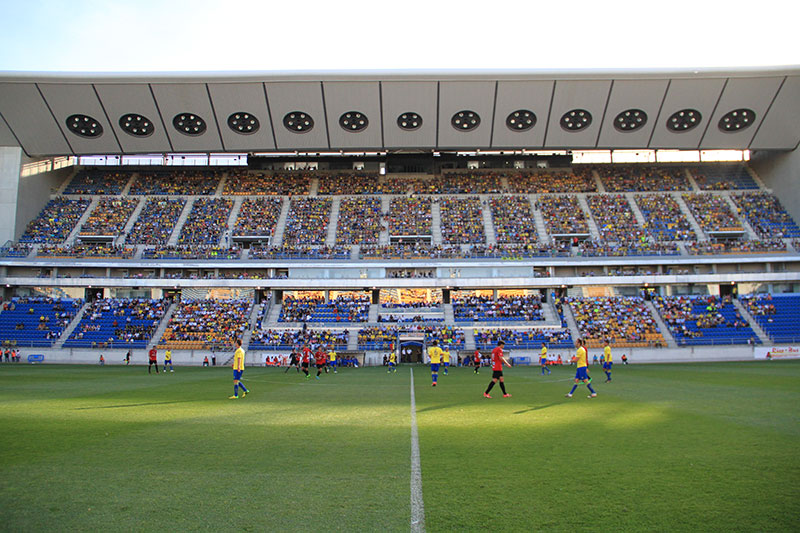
(518, 251)
(344, 308)
(640, 247)
(359, 220)
(353, 184)
(712, 212)
(408, 273)
(563, 215)
(624, 321)
(477, 308)
(416, 251)
(118, 321)
(36, 320)
(15, 250)
(406, 318)
(277, 184)
(466, 183)
(722, 177)
(97, 182)
(207, 221)
(766, 215)
(642, 178)
(377, 337)
(291, 252)
(55, 221)
(283, 339)
(176, 183)
(696, 317)
(206, 324)
(258, 217)
(381, 337)
(523, 339)
(663, 218)
(156, 221)
(109, 217)
(513, 220)
(307, 222)
(581, 179)
(85, 251)
(614, 218)
(201, 252)
(410, 216)
(759, 304)
(735, 246)
(462, 220)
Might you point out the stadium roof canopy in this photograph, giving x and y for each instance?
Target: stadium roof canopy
(84, 114)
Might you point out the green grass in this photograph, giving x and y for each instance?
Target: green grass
(663, 448)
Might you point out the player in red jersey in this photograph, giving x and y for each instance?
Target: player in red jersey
(476, 360)
(304, 359)
(321, 359)
(151, 359)
(497, 370)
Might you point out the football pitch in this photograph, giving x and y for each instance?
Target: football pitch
(691, 447)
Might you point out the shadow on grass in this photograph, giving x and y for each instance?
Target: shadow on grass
(437, 407)
(537, 408)
(132, 405)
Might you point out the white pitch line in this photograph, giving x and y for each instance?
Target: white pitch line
(417, 504)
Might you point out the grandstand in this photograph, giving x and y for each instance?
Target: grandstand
(462, 229)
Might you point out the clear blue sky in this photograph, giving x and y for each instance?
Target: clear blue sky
(203, 35)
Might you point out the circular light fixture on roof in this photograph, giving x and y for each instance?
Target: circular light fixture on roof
(737, 120)
(298, 122)
(353, 121)
(136, 125)
(84, 126)
(630, 120)
(576, 120)
(243, 123)
(684, 120)
(409, 121)
(189, 124)
(465, 120)
(521, 120)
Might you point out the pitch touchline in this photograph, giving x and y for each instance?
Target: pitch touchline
(417, 504)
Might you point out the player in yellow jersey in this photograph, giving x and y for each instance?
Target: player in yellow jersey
(332, 359)
(392, 362)
(238, 369)
(435, 355)
(607, 361)
(582, 373)
(168, 360)
(446, 359)
(543, 359)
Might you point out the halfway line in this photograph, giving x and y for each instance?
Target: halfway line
(417, 504)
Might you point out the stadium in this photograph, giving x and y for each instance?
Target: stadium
(374, 214)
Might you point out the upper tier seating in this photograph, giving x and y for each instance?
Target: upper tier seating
(359, 221)
(642, 178)
(722, 176)
(513, 220)
(276, 184)
(258, 217)
(712, 213)
(207, 221)
(470, 183)
(118, 323)
(356, 184)
(176, 183)
(778, 315)
(462, 221)
(94, 181)
(766, 215)
(664, 220)
(704, 320)
(156, 221)
(307, 222)
(410, 216)
(109, 217)
(563, 215)
(36, 322)
(581, 179)
(614, 217)
(56, 221)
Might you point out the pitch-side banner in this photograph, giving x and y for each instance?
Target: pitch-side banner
(777, 352)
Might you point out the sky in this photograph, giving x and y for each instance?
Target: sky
(285, 35)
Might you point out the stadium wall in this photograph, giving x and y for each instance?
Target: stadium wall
(10, 161)
(781, 173)
(34, 193)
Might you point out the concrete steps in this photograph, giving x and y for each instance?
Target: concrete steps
(538, 220)
(701, 235)
(132, 220)
(593, 230)
(71, 326)
(280, 227)
(748, 229)
(488, 223)
(81, 221)
(436, 223)
(662, 326)
(251, 324)
(759, 331)
(225, 238)
(162, 326)
(330, 239)
(176, 232)
(637, 213)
